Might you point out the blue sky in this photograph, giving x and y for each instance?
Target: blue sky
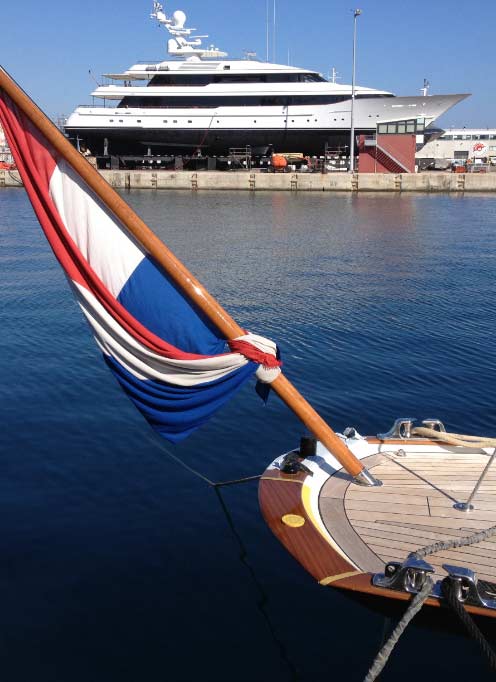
(49, 47)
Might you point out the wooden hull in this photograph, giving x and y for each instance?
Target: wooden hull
(320, 518)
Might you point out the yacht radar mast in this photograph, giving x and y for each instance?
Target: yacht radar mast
(179, 45)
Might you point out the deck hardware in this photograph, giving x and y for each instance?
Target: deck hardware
(467, 506)
(407, 577)
(435, 424)
(292, 464)
(365, 478)
(410, 576)
(468, 589)
(402, 428)
(293, 520)
(308, 446)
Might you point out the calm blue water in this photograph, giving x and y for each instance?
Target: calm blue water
(116, 564)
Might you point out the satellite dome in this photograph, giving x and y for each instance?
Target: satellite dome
(179, 18)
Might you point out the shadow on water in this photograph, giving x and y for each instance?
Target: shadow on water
(263, 601)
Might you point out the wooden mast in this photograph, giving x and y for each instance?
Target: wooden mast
(180, 274)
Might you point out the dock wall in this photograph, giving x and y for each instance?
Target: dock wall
(301, 182)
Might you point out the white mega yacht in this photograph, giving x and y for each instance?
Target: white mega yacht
(201, 102)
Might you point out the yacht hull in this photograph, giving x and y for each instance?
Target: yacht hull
(215, 142)
(133, 131)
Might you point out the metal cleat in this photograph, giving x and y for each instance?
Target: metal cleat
(402, 428)
(469, 590)
(435, 424)
(406, 577)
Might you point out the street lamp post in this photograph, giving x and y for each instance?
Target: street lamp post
(356, 14)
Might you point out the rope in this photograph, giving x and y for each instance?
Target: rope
(451, 598)
(260, 350)
(198, 474)
(452, 544)
(384, 654)
(454, 438)
(449, 592)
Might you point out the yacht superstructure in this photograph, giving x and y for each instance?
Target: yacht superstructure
(199, 101)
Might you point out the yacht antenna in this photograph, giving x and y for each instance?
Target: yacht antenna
(425, 89)
(274, 34)
(333, 77)
(183, 43)
(267, 30)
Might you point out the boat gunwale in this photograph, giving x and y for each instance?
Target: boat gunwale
(307, 544)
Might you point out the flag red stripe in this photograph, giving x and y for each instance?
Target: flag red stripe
(36, 163)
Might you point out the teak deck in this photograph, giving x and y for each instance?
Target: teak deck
(350, 532)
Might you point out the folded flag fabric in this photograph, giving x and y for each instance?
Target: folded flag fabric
(169, 359)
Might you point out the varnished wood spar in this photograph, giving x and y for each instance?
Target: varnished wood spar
(175, 269)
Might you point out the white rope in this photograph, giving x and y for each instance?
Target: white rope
(264, 374)
(454, 438)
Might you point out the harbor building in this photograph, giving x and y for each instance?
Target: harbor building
(463, 146)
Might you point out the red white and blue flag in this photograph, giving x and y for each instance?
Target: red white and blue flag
(165, 354)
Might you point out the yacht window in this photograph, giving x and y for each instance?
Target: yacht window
(466, 137)
(138, 120)
(212, 101)
(410, 127)
(382, 128)
(371, 96)
(311, 78)
(447, 137)
(195, 79)
(401, 128)
(391, 128)
(483, 137)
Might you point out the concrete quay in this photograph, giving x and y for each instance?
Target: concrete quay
(295, 182)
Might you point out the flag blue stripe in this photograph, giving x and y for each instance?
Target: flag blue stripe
(155, 301)
(177, 411)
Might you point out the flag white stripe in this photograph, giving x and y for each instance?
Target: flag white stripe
(142, 362)
(111, 252)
